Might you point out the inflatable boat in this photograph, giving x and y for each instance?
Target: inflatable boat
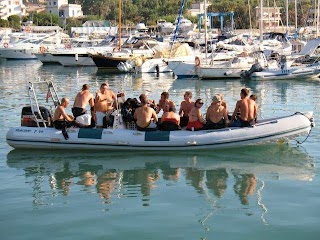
(35, 132)
(126, 139)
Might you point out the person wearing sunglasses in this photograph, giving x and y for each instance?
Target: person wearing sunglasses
(196, 120)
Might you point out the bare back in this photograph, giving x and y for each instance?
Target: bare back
(143, 115)
(247, 108)
(83, 98)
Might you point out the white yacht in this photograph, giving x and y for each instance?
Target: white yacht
(26, 48)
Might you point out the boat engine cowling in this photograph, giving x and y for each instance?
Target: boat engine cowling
(124, 66)
(28, 119)
(254, 68)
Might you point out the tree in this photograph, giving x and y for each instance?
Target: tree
(4, 23)
(45, 19)
(14, 22)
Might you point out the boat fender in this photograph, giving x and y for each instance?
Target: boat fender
(76, 56)
(121, 67)
(42, 49)
(116, 49)
(84, 120)
(138, 61)
(227, 73)
(127, 66)
(312, 122)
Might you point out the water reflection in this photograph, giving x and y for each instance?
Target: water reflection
(121, 175)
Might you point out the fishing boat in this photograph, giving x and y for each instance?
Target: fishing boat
(36, 132)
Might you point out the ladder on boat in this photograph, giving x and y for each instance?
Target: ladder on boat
(35, 108)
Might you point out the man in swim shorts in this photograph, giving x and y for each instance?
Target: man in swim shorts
(146, 117)
(247, 109)
(105, 102)
(82, 99)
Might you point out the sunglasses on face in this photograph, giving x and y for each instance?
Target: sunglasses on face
(200, 103)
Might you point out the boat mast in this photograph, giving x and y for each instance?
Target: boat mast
(119, 34)
(261, 20)
(205, 28)
(317, 23)
(178, 22)
(296, 15)
(287, 13)
(250, 16)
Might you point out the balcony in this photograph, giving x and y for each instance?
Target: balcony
(2, 6)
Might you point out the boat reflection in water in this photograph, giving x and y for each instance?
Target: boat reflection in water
(114, 176)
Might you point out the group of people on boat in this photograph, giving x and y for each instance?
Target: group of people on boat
(144, 113)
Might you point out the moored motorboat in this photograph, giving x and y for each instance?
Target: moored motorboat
(284, 70)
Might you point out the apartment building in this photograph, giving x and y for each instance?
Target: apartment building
(271, 16)
(11, 7)
(63, 9)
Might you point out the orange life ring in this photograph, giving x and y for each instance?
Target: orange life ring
(43, 49)
(6, 45)
(197, 61)
(28, 29)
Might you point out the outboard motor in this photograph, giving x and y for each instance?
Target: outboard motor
(124, 66)
(28, 119)
(254, 68)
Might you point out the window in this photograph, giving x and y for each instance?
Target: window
(54, 3)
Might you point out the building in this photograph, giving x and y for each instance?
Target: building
(63, 9)
(197, 8)
(11, 7)
(271, 17)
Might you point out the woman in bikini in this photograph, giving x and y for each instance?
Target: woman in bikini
(196, 120)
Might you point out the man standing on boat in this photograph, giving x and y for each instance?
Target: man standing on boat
(82, 99)
(247, 109)
(105, 102)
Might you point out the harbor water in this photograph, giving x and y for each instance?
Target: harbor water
(255, 192)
